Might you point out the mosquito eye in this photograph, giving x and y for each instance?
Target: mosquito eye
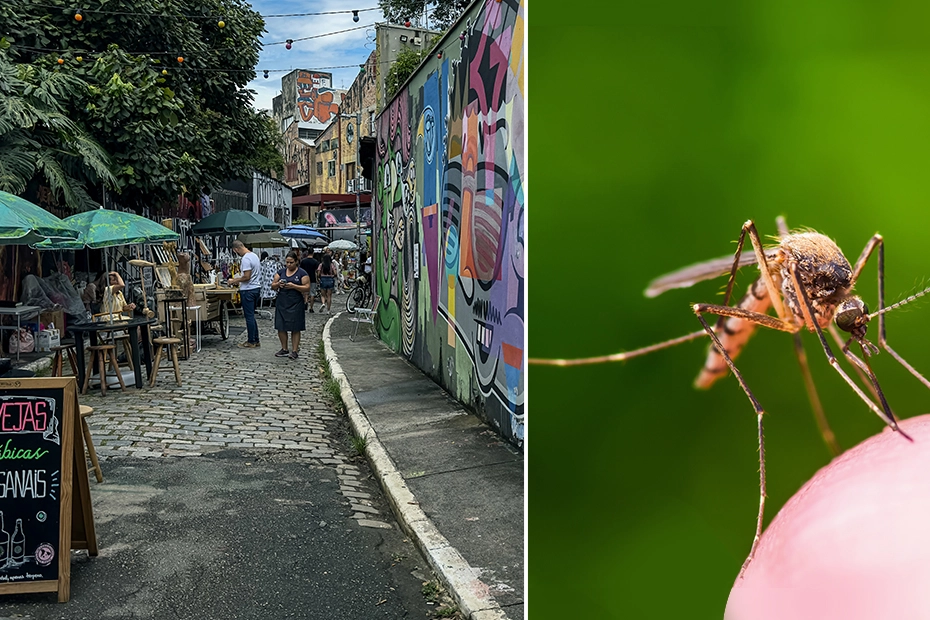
(847, 319)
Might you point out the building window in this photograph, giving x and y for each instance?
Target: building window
(332, 167)
(290, 172)
(319, 168)
(325, 146)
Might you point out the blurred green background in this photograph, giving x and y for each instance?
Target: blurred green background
(657, 130)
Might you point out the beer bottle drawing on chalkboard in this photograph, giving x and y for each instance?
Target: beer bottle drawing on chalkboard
(18, 544)
(4, 543)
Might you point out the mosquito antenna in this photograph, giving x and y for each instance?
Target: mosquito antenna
(617, 357)
(906, 300)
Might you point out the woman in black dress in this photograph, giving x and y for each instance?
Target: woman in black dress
(291, 283)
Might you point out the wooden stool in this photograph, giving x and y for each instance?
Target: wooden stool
(86, 411)
(99, 356)
(172, 344)
(59, 362)
(127, 348)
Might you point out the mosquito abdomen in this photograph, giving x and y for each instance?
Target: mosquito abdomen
(733, 334)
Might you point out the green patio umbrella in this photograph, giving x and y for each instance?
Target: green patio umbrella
(25, 223)
(104, 228)
(234, 221)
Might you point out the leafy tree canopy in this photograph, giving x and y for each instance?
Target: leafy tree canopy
(38, 140)
(441, 13)
(159, 85)
(407, 62)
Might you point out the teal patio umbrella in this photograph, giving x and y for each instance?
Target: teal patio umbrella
(25, 223)
(234, 221)
(104, 228)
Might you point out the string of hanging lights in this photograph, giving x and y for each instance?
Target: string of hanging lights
(79, 13)
(180, 58)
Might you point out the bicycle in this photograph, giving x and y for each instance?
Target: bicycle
(359, 295)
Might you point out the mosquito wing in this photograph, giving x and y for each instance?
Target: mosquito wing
(692, 274)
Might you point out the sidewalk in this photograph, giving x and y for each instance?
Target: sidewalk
(457, 488)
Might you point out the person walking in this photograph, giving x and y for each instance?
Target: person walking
(326, 274)
(309, 264)
(292, 283)
(368, 273)
(250, 286)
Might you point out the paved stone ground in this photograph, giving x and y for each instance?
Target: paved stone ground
(237, 398)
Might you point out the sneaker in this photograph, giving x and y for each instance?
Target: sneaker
(293, 355)
(311, 310)
(282, 353)
(246, 345)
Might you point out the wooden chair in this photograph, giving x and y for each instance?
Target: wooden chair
(89, 442)
(172, 344)
(58, 362)
(365, 315)
(99, 355)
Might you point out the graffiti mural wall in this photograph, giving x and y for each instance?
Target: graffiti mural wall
(450, 214)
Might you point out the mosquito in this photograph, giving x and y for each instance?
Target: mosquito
(808, 282)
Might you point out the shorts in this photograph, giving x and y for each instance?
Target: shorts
(327, 282)
(314, 289)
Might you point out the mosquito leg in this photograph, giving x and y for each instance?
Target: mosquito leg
(782, 225)
(829, 438)
(617, 357)
(759, 413)
(774, 293)
(732, 279)
(820, 417)
(882, 340)
(808, 312)
(758, 318)
(875, 241)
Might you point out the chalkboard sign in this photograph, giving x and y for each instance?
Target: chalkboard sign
(40, 449)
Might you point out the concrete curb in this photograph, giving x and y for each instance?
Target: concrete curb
(460, 579)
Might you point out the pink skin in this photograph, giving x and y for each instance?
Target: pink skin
(853, 543)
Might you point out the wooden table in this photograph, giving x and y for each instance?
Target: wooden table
(131, 327)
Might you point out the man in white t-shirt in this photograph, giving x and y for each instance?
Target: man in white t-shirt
(250, 287)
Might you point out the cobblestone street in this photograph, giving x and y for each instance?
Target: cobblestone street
(236, 398)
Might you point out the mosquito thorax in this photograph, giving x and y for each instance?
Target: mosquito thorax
(852, 315)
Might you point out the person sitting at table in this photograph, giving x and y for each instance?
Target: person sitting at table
(114, 302)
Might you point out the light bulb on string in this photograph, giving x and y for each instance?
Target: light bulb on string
(407, 23)
(61, 61)
(266, 74)
(221, 24)
(462, 36)
(355, 16)
(180, 59)
(164, 72)
(439, 55)
(79, 58)
(77, 16)
(289, 43)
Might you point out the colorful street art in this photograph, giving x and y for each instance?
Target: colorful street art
(450, 214)
(315, 97)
